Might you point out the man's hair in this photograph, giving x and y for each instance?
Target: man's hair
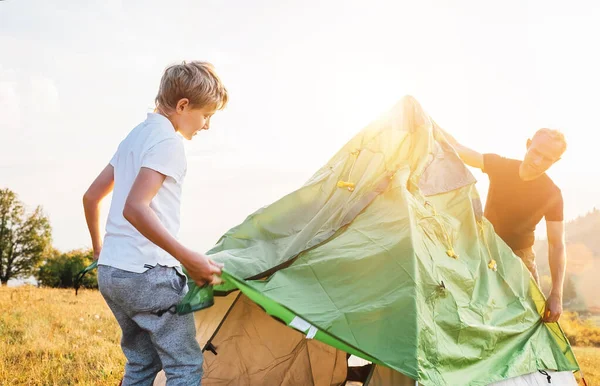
(196, 81)
(553, 134)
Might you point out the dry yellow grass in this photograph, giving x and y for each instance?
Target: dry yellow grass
(580, 332)
(52, 337)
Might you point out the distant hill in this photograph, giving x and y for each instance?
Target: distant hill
(582, 288)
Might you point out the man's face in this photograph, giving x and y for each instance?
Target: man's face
(542, 152)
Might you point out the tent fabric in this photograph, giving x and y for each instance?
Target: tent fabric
(384, 253)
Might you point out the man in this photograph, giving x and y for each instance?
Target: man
(520, 195)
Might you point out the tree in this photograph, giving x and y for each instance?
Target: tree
(23, 237)
(59, 269)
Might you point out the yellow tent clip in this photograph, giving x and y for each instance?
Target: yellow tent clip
(344, 184)
(349, 185)
(450, 252)
(492, 265)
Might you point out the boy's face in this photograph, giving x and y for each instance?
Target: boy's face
(188, 121)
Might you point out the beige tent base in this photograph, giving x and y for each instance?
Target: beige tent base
(253, 348)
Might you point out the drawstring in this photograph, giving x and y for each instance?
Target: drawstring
(171, 310)
(548, 377)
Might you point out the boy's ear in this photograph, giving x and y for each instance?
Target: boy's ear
(182, 104)
(528, 143)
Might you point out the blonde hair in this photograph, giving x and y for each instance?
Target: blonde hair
(555, 135)
(197, 81)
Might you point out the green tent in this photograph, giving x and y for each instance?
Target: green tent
(383, 254)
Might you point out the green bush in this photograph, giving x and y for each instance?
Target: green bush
(59, 269)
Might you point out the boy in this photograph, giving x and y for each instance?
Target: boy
(139, 270)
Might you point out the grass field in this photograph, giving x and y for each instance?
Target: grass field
(52, 337)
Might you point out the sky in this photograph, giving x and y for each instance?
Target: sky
(303, 76)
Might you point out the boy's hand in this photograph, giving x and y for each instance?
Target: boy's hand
(97, 253)
(200, 268)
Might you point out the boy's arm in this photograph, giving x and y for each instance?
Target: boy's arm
(138, 212)
(100, 188)
(557, 258)
(469, 156)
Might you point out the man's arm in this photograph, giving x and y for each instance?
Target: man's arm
(469, 156)
(138, 212)
(557, 258)
(92, 199)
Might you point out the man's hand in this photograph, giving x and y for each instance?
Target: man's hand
(97, 253)
(553, 308)
(200, 268)
(557, 258)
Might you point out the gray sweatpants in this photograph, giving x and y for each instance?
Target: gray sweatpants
(151, 342)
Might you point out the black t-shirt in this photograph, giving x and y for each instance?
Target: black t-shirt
(515, 206)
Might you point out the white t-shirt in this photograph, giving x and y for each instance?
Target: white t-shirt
(153, 144)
